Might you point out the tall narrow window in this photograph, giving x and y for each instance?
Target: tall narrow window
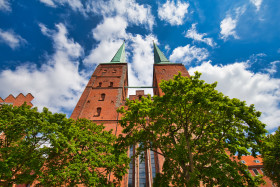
(102, 98)
(100, 84)
(111, 84)
(130, 172)
(142, 171)
(153, 164)
(98, 110)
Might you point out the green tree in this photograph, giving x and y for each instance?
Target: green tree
(54, 150)
(197, 130)
(271, 157)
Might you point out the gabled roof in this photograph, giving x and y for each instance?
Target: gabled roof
(120, 55)
(159, 57)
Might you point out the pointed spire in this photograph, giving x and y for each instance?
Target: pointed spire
(120, 55)
(159, 56)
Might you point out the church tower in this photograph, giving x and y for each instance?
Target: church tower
(164, 70)
(104, 93)
(107, 90)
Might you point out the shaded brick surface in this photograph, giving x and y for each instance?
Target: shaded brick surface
(19, 100)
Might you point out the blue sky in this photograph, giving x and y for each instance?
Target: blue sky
(51, 47)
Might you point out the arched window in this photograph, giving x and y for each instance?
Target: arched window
(111, 84)
(114, 71)
(102, 97)
(98, 110)
(100, 84)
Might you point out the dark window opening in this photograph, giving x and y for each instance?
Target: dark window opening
(98, 111)
(139, 97)
(100, 84)
(255, 171)
(111, 84)
(102, 98)
(114, 71)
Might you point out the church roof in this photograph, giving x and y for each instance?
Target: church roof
(120, 55)
(159, 57)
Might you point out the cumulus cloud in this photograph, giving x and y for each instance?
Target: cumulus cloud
(130, 10)
(48, 3)
(229, 23)
(173, 13)
(58, 83)
(188, 53)
(257, 3)
(5, 5)
(12, 39)
(193, 34)
(110, 34)
(76, 5)
(236, 81)
(228, 26)
(273, 67)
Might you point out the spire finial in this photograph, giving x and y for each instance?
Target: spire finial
(158, 55)
(120, 55)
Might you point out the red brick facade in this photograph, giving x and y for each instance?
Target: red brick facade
(105, 92)
(19, 100)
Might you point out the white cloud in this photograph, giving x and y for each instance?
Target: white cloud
(5, 5)
(58, 83)
(273, 67)
(110, 34)
(193, 34)
(229, 23)
(236, 81)
(129, 10)
(48, 3)
(257, 3)
(11, 39)
(173, 13)
(228, 26)
(76, 5)
(188, 53)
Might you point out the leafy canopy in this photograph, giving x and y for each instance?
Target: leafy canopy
(271, 157)
(55, 150)
(196, 129)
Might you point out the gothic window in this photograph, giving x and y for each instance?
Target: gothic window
(130, 172)
(100, 84)
(98, 111)
(153, 164)
(142, 173)
(111, 84)
(102, 98)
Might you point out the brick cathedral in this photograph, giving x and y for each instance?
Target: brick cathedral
(107, 90)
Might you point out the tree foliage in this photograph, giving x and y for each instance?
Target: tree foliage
(56, 151)
(271, 157)
(196, 129)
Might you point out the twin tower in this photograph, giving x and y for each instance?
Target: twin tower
(107, 90)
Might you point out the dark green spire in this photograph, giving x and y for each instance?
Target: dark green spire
(120, 55)
(159, 57)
